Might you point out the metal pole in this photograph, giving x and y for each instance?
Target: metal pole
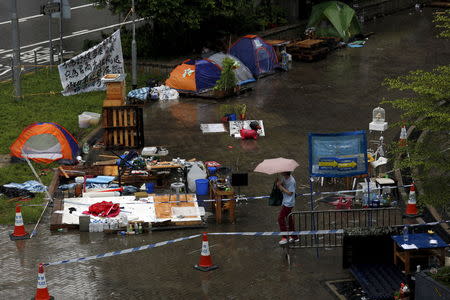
(60, 32)
(133, 50)
(12, 69)
(313, 219)
(35, 62)
(16, 50)
(50, 43)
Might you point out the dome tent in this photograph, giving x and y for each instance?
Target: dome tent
(194, 76)
(45, 143)
(256, 54)
(334, 18)
(243, 74)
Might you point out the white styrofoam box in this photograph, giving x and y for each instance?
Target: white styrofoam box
(149, 151)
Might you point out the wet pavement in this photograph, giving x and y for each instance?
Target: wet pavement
(332, 95)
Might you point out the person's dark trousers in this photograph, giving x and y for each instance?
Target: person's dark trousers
(284, 212)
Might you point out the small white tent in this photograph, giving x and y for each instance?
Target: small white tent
(243, 74)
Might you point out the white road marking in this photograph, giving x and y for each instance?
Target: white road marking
(80, 31)
(74, 35)
(6, 71)
(37, 16)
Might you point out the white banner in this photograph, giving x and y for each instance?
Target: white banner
(83, 72)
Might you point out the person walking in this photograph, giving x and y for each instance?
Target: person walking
(287, 185)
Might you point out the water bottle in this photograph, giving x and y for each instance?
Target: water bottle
(405, 234)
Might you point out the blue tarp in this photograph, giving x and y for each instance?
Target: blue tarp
(31, 186)
(100, 179)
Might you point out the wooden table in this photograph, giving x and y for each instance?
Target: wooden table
(309, 43)
(424, 248)
(229, 205)
(163, 165)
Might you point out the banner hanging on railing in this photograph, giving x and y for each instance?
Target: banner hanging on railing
(83, 72)
(337, 154)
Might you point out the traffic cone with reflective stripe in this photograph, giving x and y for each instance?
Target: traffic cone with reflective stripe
(205, 263)
(19, 230)
(411, 207)
(42, 291)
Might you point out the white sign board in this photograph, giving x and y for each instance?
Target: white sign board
(83, 72)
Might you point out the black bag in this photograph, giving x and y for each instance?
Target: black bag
(276, 196)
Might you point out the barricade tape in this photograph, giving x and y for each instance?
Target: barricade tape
(119, 252)
(242, 198)
(249, 233)
(278, 233)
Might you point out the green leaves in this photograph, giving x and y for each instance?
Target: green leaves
(428, 95)
(426, 106)
(227, 80)
(442, 21)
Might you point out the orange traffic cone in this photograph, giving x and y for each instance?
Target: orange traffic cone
(42, 291)
(411, 207)
(205, 263)
(19, 230)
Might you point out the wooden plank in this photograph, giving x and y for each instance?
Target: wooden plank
(127, 141)
(105, 162)
(120, 112)
(63, 172)
(111, 170)
(132, 121)
(115, 137)
(164, 210)
(133, 137)
(114, 118)
(125, 117)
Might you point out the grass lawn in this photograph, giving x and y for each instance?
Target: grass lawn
(41, 102)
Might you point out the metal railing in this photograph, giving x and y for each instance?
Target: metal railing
(340, 219)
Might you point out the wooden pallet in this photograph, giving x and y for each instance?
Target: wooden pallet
(312, 55)
(123, 126)
(305, 44)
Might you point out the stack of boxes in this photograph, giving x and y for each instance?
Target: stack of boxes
(123, 124)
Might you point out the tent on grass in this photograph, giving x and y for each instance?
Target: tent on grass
(256, 54)
(194, 76)
(45, 143)
(243, 74)
(334, 18)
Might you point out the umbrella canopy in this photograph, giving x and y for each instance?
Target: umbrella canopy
(276, 165)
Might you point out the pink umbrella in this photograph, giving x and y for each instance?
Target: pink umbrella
(276, 165)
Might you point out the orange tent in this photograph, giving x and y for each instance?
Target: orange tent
(45, 143)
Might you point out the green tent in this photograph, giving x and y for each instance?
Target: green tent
(334, 18)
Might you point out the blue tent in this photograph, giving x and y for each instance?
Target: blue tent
(256, 54)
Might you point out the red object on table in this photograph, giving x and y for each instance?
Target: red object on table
(103, 209)
(249, 134)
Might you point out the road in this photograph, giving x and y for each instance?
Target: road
(86, 22)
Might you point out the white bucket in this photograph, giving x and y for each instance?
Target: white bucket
(94, 117)
(79, 179)
(83, 121)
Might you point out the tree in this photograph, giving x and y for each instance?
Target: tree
(182, 26)
(442, 20)
(426, 106)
